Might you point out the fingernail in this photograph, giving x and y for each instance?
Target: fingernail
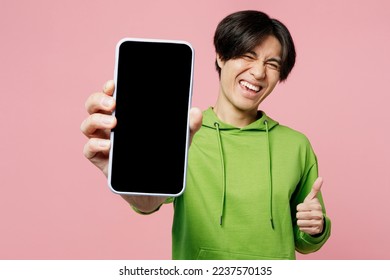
(107, 102)
(107, 119)
(105, 86)
(104, 143)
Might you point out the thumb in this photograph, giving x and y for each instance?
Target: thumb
(195, 121)
(315, 189)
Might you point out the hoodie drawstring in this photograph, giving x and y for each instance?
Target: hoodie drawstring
(223, 172)
(269, 175)
(216, 124)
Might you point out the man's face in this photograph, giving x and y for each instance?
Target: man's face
(247, 80)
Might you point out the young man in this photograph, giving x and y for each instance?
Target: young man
(252, 190)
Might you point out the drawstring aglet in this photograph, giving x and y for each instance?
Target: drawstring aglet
(220, 220)
(272, 223)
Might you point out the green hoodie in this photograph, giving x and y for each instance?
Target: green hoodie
(243, 186)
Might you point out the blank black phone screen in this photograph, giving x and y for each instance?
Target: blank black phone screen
(153, 95)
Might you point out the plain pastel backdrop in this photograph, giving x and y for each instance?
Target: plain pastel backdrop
(54, 204)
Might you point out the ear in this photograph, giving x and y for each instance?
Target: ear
(220, 62)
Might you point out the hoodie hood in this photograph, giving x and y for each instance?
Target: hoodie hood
(210, 118)
(263, 123)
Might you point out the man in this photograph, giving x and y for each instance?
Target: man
(253, 190)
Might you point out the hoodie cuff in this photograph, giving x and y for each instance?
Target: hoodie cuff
(145, 213)
(168, 200)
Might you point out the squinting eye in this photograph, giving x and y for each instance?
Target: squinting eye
(273, 66)
(248, 57)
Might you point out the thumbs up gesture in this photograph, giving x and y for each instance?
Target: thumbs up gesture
(310, 218)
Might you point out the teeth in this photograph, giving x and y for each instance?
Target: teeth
(250, 86)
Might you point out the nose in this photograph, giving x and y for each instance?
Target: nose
(258, 70)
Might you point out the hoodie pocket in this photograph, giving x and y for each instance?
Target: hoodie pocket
(214, 254)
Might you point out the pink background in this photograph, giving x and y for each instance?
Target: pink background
(54, 204)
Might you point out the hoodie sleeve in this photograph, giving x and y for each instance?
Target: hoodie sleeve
(306, 243)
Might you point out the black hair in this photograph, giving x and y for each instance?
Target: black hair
(240, 32)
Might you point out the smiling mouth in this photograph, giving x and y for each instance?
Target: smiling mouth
(250, 87)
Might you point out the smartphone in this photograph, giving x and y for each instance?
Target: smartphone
(153, 92)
